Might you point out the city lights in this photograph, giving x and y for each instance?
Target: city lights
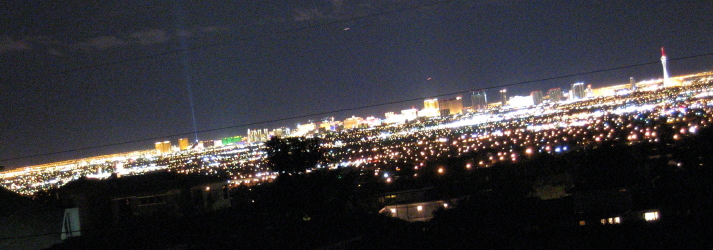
(386, 150)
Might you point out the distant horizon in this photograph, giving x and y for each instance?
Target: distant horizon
(174, 140)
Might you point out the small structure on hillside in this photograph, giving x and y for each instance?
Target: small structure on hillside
(413, 205)
(95, 206)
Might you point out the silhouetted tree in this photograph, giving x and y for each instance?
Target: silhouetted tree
(293, 154)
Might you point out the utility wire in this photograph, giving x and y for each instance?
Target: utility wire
(158, 55)
(355, 108)
(341, 110)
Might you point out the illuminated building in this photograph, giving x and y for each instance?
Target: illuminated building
(417, 211)
(665, 70)
(668, 82)
(454, 106)
(494, 105)
(611, 90)
(410, 114)
(412, 205)
(521, 101)
(430, 104)
(577, 92)
(303, 129)
(282, 132)
(391, 117)
(632, 83)
(208, 144)
(372, 121)
(322, 125)
(503, 97)
(536, 97)
(326, 125)
(479, 101)
(229, 140)
(555, 94)
(258, 135)
(163, 147)
(353, 122)
(430, 108)
(183, 143)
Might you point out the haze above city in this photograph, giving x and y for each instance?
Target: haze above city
(70, 80)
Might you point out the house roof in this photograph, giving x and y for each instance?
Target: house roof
(138, 185)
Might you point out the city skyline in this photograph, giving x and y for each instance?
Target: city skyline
(576, 89)
(182, 143)
(66, 88)
(526, 131)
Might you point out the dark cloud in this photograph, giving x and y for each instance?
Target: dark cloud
(184, 33)
(103, 42)
(150, 37)
(55, 52)
(338, 5)
(308, 14)
(214, 29)
(9, 44)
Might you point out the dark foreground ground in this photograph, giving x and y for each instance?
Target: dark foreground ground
(227, 231)
(336, 209)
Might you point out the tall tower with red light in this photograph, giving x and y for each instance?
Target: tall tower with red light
(665, 70)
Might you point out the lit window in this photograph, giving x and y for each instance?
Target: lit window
(604, 221)
(582, 223)
(617, 220)
(651, 216)
(419, 208)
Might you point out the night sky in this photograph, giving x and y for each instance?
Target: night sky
(82, 74)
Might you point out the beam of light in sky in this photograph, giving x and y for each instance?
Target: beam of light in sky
(184, 62)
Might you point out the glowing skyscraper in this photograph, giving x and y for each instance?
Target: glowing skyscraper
(555, 95)
(479, 101)
(183, 143)
(665, 70)
(536, 97)
(454, 106)
(578, 91)
(503, 97)
(430, 104)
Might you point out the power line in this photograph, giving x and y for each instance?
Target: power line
(336, 111)
(355, 108)
(158, 55)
